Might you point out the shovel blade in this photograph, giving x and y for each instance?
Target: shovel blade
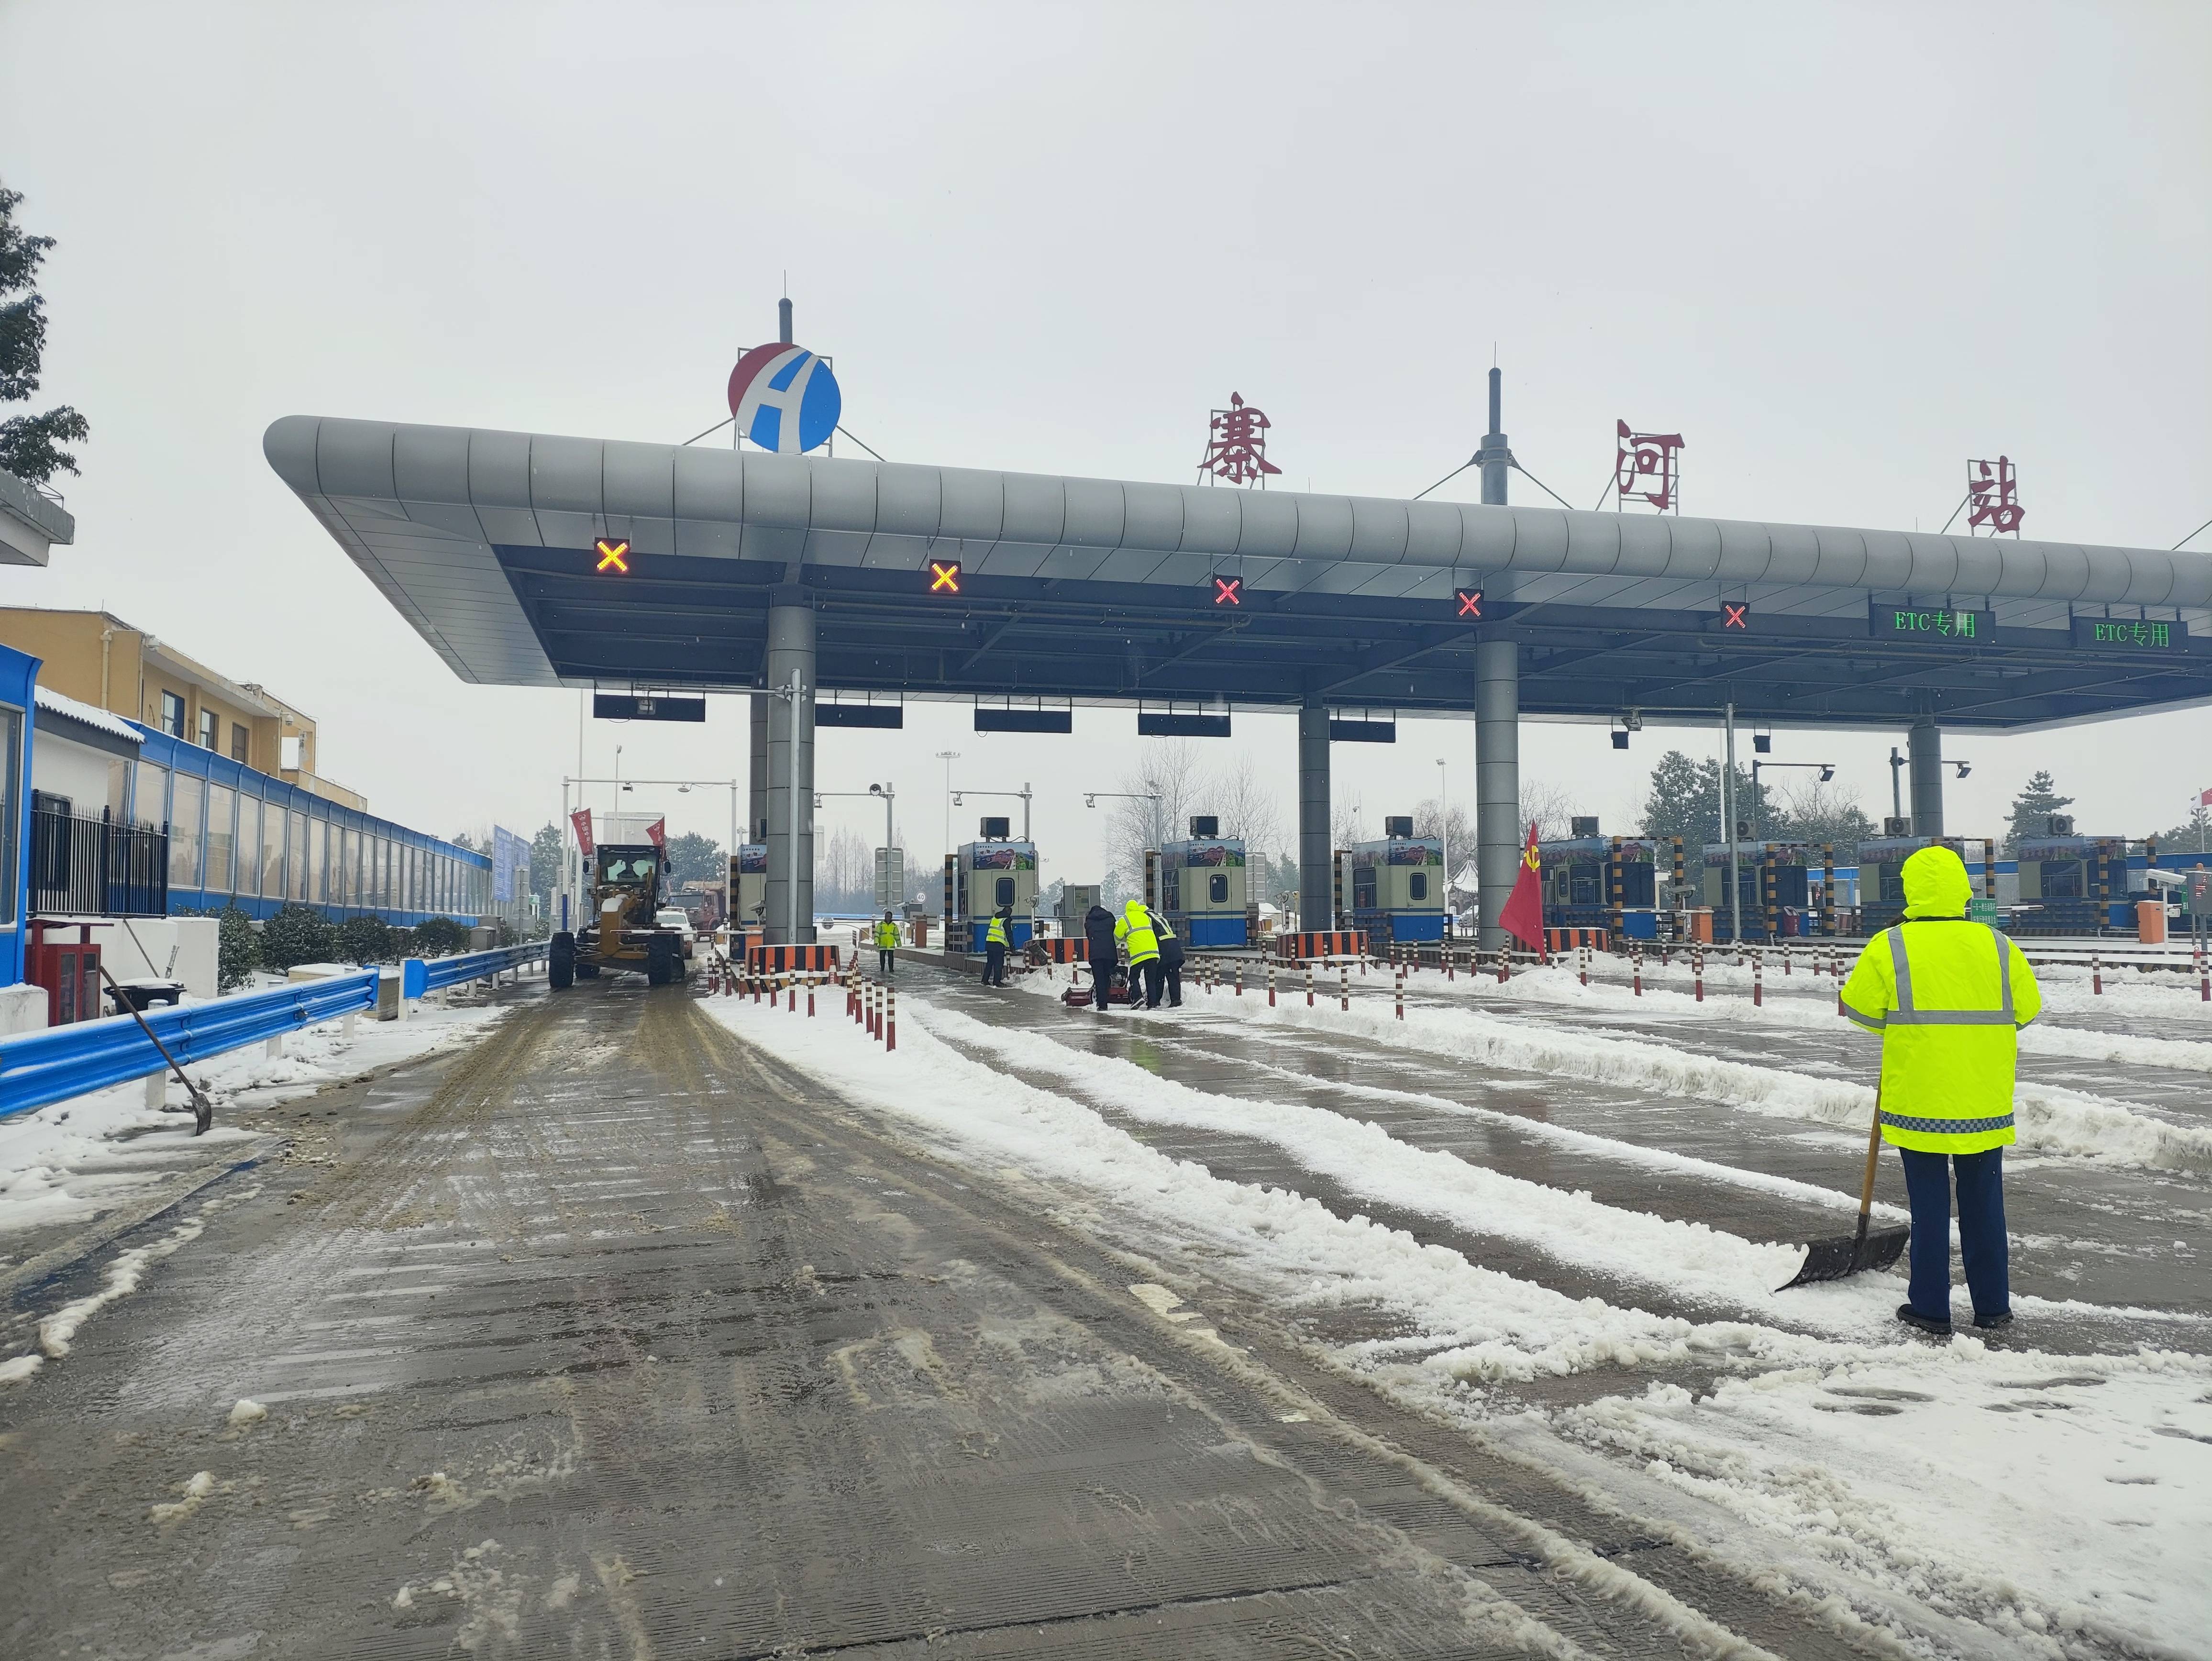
(1848, 1254)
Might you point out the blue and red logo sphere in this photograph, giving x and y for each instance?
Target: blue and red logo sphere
(785, 399)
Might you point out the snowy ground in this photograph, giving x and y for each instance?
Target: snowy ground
(1551, 1213)
(73, 1168)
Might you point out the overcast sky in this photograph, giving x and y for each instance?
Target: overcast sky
(1841, 249)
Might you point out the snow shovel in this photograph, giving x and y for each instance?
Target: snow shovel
(1847, 1254)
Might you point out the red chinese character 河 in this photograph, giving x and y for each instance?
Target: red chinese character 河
(1994, 493)
(1645, 465)
(1237, 444)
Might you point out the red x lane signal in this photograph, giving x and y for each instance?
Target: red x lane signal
(1229, 591)
(945, 576)
(1470, 601)
(1736, 615)
(614, 553)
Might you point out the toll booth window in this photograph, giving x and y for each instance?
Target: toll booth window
(1002, 892)
(1217, 888)
(1362, 888)
(1581, 887)
(2061, 879)
(1417, 886)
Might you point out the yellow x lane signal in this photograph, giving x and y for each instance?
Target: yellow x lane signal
(614, 553)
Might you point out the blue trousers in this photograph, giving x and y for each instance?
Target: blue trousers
(1982, 1245)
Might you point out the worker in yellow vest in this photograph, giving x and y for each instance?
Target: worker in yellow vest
(994, 948)
(1948, 996)
(1170, 959)
(1134, 931)
(887, 946)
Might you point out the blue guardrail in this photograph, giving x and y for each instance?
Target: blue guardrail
(420, 975)
(39, 1069)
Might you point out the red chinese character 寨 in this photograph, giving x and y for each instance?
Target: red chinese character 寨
(1644, 461)
(1237, 444)
(1995, 494)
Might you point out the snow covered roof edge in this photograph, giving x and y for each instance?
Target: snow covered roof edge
(99, 720)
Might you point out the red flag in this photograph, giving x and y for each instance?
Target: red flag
(581, 819)
(2205, 799)
(657, 834)
(1523, 917)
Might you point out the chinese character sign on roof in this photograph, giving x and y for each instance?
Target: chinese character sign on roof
(1647, 465)
(1237, 444)
(1993, 490)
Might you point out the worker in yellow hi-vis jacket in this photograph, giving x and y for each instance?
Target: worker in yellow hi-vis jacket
(1948, 996)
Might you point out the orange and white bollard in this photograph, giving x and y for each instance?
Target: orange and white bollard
(1402, 992)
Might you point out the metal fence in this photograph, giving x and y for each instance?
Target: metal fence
(97, 868)
(39, 1068)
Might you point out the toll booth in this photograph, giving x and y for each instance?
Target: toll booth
(1398, 886)
(1783, 887)
(1202, 883)
(1882, 878)
(2074, 885)
(987, 875)
(749, 885)
(1076, 899)
(1595, 881)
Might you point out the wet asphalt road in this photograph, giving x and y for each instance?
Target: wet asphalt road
(611, 1337)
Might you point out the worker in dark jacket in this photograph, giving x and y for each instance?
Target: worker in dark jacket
(994, 947)
(1100, 950)
(1170, 960)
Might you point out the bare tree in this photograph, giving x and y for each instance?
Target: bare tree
(1171, 769)
(1347, 823)
(1247, 808)
(1549, 807)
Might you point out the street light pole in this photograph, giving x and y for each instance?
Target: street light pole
(1443, 827)
(948, 756)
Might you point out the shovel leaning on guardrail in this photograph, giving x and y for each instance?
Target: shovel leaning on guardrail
(203, 1110)
(1847, 1254)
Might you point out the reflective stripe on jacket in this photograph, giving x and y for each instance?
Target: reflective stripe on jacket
(1948, 997)
(886, 936)
(996, 934)
(1135, 929)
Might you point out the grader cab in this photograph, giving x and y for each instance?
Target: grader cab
(621, 931)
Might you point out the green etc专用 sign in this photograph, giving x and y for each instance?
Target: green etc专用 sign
(2128, 634)
(1935, 626)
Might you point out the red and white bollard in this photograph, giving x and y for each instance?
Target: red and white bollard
(791, 981)
(891, 1018)
(1582, 963)
(1636, 967)
(1449, 955)
(1344, 987)
(1310, 981)
(2097, 974)
(1759, 980)
(810, 997)
(1402, 992)
(2203, 976)
(1240, 977)
(1698, 973)
(1504, 966)
(1785, 958)
(1271, 982)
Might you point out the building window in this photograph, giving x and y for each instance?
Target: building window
(272, 851)
(11, 763)
(149, 794)
(296, 857)
(173, 714)
(240, 741)
(210, 727)
(317, 882)
(185, 832)
(222, 842)
(249, 846)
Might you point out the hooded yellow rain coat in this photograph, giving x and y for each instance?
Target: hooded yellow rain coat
(1135, 927)
(1948, 997)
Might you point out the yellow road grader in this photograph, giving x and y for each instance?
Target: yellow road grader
(620, 932)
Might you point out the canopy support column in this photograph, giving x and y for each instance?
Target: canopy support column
(1316, 869)
(790, 782)
(1925, 748)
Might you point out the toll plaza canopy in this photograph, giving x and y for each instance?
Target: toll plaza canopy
(1097, 590)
